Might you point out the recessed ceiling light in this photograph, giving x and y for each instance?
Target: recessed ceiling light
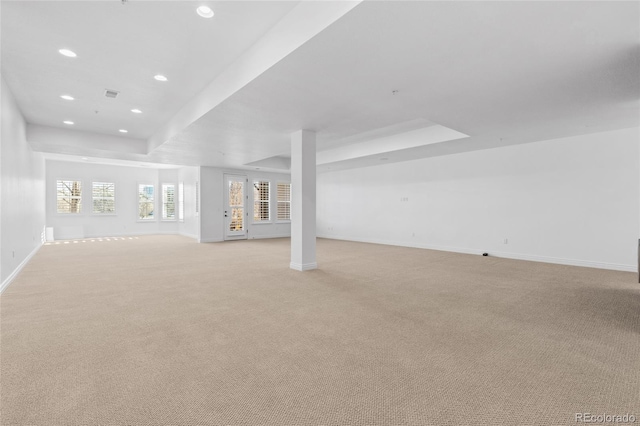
(160, 77)
(68, 122)
(67, 97)
(136, 110)
(68, 53)
(205, 11)
(85, 158)
(123, 131)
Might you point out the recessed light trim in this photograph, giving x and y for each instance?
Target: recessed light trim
(67, 97)
(123, 131)
(205, 11)
(136, 111)
(68, 53)
(68, 122)
(160, 77)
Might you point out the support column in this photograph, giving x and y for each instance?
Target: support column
(303, 200)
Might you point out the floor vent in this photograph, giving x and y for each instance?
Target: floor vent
(111, 93)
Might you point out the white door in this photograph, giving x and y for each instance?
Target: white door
(235, 212)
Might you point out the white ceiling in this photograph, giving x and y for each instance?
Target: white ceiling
(121, 47)
(500, 72)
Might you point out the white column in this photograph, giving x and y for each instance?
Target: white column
(303, 200)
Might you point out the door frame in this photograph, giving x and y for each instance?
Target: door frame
(226, 219)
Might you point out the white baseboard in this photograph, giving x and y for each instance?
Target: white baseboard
(303, 266)
(506, 255)
(570, 262)
(184, 234)
(209, 240)
(262, 237)
(16, 271)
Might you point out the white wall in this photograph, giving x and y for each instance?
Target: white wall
(212, 204)
(22, 214)
(211, 216)
(572, 200)
(189, 226)
(125, 221)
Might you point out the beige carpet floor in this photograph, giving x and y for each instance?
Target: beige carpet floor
(161, 330)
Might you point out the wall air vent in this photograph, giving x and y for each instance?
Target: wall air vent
(111, 93)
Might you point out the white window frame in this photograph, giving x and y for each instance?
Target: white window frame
(197, 190)
(93, 198)
(154, 218)
(80, 210)
(164, 203)
(278, 220)
(181, 201)
(267, 202)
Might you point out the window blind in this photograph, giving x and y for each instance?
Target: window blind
(284, 201)
(261, 201)
(168, 201)
(181, 201)
(197, 198)
(69, 196)
(146, 202)
(103, 197)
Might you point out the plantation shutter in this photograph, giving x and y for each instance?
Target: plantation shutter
(261, 201)
(103, 197)
(69, 196)
(284, 201)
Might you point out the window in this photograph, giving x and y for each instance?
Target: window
(69, 196)
(104, 197)
(197, 198)
(168, 201)
(181, 201)
(146, 201)
(284, 201)
(261, 201)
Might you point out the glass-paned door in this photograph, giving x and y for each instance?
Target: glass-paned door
(235, 214)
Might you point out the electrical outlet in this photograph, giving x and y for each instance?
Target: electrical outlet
(13, 253)
(506, 241)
